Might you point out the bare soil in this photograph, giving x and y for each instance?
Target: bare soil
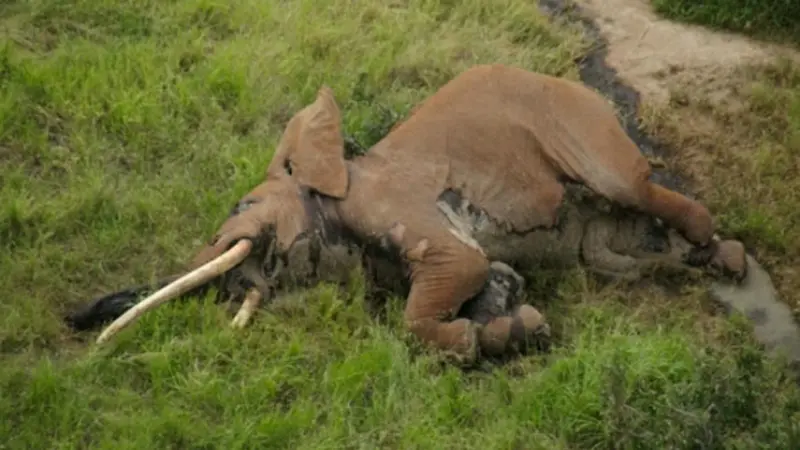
(647, 50)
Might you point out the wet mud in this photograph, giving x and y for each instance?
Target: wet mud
(772, 320)
(755, 297)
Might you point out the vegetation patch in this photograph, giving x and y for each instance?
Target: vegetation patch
(762, 18)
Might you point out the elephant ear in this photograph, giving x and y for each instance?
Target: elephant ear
(318, 158)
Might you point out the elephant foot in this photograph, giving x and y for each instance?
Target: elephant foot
(727, 258)
(730, 257)
(521, 332)
(529, 330)
(464, 351)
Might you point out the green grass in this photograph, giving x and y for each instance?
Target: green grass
(127, 130)
(761, 18)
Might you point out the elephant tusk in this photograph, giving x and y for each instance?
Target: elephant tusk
(191, 280)
(253, 298)
(251, 302)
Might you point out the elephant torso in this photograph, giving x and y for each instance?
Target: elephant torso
(586, 224)
(508, 139)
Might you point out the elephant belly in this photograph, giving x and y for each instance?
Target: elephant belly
(558, 246)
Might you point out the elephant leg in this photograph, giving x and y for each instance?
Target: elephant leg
(507, 325)
(694, 221)
(445, 273)
(600, 258)
(440, 285)
(687, 216)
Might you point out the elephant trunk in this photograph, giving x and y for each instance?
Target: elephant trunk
(113, 305)
(197, 277)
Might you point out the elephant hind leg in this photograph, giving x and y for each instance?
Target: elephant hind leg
(694, 221)
(688, 216)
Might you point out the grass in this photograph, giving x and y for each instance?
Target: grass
(129, 127)
(775, 19)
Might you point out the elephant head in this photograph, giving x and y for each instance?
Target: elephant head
(309, 158)
(246, 254)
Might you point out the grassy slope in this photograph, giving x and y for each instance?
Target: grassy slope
(128, 128)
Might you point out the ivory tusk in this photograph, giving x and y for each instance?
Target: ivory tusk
(191, 280)
(253, 298)
(249, 306)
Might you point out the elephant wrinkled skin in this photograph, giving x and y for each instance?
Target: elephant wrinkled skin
(501, 164)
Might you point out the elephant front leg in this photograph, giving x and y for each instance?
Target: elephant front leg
(598, 255)
(635, 245)
(445, 273)
(439, 287)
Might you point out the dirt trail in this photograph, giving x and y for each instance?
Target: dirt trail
(645, 49)
(637, 58)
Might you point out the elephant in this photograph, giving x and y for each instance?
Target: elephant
(292, 255)
(498, 168)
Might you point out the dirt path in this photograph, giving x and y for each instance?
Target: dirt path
(638, 57)
(645, 49)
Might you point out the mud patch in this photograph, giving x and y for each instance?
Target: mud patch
(772, 320)
(646, 50)
(637, 55)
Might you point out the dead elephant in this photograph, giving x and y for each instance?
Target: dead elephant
(481, 171)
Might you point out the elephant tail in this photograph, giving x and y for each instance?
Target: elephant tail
(111, 306)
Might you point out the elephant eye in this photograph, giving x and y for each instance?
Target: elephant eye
(241, 206)
(287, 165)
